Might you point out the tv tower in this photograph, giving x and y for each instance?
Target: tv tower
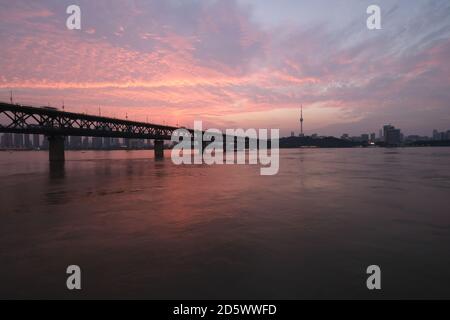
(301, 121)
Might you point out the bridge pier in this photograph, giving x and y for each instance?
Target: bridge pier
(56, 148)
(159, 149)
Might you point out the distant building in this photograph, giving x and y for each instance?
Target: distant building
(392, 136)
(373, 137)
(18, 140)
(136, 143)
(97, 142)
(45, 143)
(7, 140)
(440, 136)
(85, 143)
(27, 141)
(75, 143)
(414, 138)
(115, 143)
(436, 135)
(365, 137)
(36, 142)
(107, 143)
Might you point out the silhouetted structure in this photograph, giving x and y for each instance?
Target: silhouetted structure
(301, 121)
(324, 142)
(392, 136)
(57, 125)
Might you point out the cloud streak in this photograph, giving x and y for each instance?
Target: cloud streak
(222, 60)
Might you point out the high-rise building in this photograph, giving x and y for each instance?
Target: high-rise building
(115, 142)
(126, 142)
(36, 142)
(386, 128)
(85, 143)
(107, 143)
(27, 141)
(75, 143)
(436, 135)
(373, 137)
(45, 143)
(18, 140)
(439, 136)
(97, 142)
(365, 137)
(136, 143)
(7, 140)
(392, 136)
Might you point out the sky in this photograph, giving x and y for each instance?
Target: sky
(234, 63)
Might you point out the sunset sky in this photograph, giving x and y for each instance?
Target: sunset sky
(234, 63)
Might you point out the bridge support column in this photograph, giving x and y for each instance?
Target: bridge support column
(56, 148)
(159, 149)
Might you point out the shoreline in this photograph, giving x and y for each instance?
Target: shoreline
(283, 148)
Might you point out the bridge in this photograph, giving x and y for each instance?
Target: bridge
(56, 125)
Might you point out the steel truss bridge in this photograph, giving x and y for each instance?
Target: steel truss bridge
(51, 122)
(56, 125)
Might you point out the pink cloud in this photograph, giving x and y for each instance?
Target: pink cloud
(216, 62)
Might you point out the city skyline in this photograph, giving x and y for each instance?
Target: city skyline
(236, 63)
(388, 135)
(38, 141)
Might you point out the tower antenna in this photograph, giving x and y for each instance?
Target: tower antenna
(301, 120)
(11, 97)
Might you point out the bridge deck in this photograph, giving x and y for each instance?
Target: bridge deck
(32, 120)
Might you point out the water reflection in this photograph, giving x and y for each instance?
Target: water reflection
(57, 170)
(148, 229)
(55, 190)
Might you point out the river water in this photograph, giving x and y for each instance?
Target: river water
(141, 228)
